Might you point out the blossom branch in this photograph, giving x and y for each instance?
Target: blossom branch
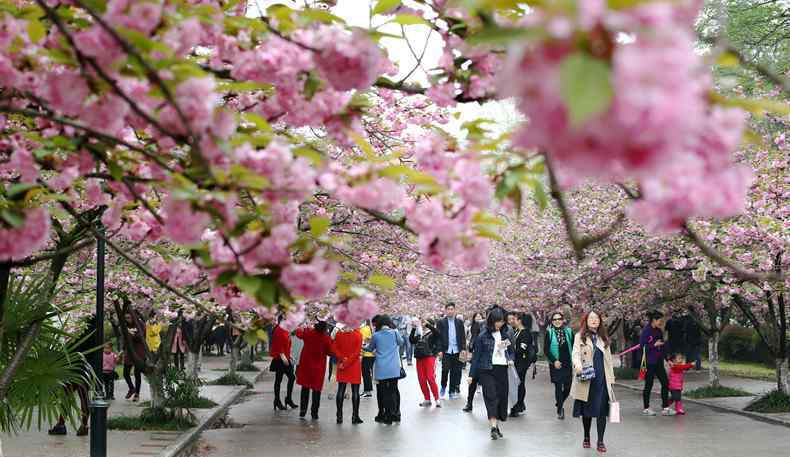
(738, 269)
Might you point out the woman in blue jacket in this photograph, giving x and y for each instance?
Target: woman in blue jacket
(489, 366)
(385, 344)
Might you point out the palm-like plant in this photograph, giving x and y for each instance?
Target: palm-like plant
(37, 392)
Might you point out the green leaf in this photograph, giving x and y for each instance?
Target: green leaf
(486, 232)
(261, 123)
(385, 5)
(267, 291)
(539, 193)
(383, 281)
(251, 337)
(13, 219)
(585, 86)
(319, 225)
(19, 189)
(225, 277)
(484, 218)
(248, 284)
(115, 170)
(315, 157)
(320, 16)
(35, 30)
(504, 35)
(243, 86)
(409, 19)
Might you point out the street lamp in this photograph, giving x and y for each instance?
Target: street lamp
(98, 403)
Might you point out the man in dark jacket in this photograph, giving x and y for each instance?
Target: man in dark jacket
(693, 341)
(453, 341)
(525, 353)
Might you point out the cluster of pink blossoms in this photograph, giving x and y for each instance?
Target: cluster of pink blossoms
(355, 310)
(659, 127)
(18, 242)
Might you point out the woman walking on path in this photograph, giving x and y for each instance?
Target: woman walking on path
(594, 375)
(133, 355)
(652, 341)
(557, 348)
(478, 322)
(347, 347)
(425, 339)
(489, 366)
(385, 343)
(282, 365)
(312, 366)
(524, 351)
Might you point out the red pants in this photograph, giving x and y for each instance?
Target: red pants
(426, 376)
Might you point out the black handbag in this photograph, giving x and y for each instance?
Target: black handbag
(402, 371)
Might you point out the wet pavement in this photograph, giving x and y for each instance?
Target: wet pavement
(448, 431)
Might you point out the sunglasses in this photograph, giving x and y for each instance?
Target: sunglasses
(559, 319)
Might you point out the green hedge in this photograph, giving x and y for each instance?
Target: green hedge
(743, 344)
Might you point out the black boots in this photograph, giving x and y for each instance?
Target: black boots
(279, 405)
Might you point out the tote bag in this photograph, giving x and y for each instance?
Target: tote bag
(512, 386)
(614, 410)
(643, 366)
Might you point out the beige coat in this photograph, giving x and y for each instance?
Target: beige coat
(582, 355)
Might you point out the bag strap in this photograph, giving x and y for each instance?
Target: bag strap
(398, 350)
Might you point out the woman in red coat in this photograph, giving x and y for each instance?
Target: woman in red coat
(347, 347)
(312, 366)
(281, 365)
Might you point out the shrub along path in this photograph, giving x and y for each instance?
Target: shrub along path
(120, 443)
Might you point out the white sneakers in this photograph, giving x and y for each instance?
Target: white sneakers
(668, 412)
(648, 412)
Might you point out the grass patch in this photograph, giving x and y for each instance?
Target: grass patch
(230, 380)
(772, 402)
(247, 367)
(626, 373)
(715, 392)
(150, 419)
(198, 403)
(746, 370)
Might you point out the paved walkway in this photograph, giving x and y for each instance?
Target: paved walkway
(36, 443)
(450, 432)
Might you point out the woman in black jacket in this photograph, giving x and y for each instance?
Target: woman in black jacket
(492, 354)
(427, 344)
(478, 323)
(524, 357)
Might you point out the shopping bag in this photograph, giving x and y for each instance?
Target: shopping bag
(512, 386)
(643, 366)
(614, 412)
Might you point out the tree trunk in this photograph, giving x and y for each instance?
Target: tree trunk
(713, 358)
(156, 382)
(234, 358)
(193, 364)
(782, 376)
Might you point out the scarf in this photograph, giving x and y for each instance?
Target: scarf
(560, 332)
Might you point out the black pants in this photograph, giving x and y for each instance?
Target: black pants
(178, 359)
(108, 379)
(278, 379)
(341, 395)
(522, 387)
(495, 386)
(656, 371)
(470, 394)
(451, 366)
(561, 392)
(138, 378)
(600, 423)
(304, 400)
(367, 373)
(388, 397)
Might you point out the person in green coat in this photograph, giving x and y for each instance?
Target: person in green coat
(557, 348)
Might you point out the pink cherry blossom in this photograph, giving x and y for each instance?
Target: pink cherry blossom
(355, 310)
(312, 280)
(182, 224)
(32, 235)
(349, 60)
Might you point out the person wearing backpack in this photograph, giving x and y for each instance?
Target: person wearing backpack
(525, 354)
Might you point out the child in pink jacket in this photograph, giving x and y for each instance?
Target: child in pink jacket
(677, 371)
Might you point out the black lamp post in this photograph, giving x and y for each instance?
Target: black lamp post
(98, 403)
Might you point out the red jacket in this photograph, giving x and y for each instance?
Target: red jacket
(347, 347)
(676, 372)
(281, 343)
(312, 364)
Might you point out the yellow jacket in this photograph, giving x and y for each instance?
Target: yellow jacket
(152, 337)
(367, 334)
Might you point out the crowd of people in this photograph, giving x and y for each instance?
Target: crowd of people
(497, 346)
